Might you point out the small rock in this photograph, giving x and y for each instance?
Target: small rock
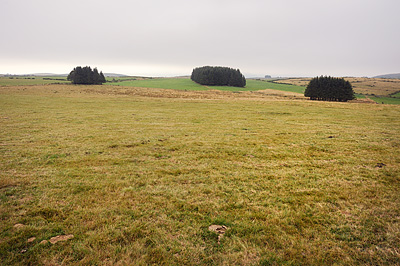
(18, 226)
(23, 251)
(56, 239)
(31, 239)
(43, 242)
(219, 229)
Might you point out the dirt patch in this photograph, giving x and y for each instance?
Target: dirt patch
(219, 229)
(59, 238)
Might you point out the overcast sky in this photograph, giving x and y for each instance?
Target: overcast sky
(168, 38)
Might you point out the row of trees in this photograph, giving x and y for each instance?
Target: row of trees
(325, 88)
(85, 75)
(219, 76)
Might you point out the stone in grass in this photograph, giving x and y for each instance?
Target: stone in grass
(56, 239)
(17, 226)
(219, 229)
(30, 240)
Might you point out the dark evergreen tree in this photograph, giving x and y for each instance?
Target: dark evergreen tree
(102, 78)
(219, 76)
(329, 89)
(86, 75)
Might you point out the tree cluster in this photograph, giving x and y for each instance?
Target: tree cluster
(325, 88)
(85, 75)
(218, 76)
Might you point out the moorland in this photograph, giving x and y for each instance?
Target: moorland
(135, 171)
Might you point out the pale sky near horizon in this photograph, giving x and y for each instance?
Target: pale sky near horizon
(170, 38)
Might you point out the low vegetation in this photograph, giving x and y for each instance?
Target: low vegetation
(31, 80)
(86, 75)
(136, 176)
(187, 84)
(369, 90)
(329, 89)
(218, 76)
(378, 89)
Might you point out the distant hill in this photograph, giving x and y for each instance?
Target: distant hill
(114, 75)
(389, 76)
(47, 75)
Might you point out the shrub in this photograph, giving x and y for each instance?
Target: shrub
(218, 76)
(329, 89)
(85, 75)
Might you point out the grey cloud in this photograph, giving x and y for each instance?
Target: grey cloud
(287, 37)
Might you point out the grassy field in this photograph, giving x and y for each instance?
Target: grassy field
(255, 85)
(31, 80)
(386, 100)
(380, 90)
(187, 84)
(162, 83)
(138, 175)
(159, 83)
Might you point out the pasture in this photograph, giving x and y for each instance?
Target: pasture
(377, 89)
(188, 84)
(137, 175)
(31, 80)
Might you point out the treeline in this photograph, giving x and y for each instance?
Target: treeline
(85, 75)
(218, 76)
(329, 89)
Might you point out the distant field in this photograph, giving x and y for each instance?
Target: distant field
(368, 86)
(254, 85)
(21, 81)
(162, 83)
(135, 176)
(380, 90)
(386, 100)
(187, 84)
(397, 95)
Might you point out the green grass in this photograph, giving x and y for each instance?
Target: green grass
(187, 84)
(360, 96)
(160, 83)
(163, 83)
(397, 95)
(26, 81)
(138, 180)
(386, 100)
(262, 85)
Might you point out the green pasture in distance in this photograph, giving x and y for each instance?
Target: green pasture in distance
(256, 85)
(188, 84)
(31, 80)
(360, 96)
(397, 95)
(162, 83)
(386, 100)
(123, 78)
